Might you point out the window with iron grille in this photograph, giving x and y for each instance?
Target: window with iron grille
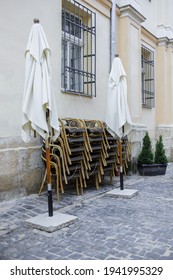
(78, 49)
(147, 62)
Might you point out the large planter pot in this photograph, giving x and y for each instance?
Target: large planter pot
(152, 169)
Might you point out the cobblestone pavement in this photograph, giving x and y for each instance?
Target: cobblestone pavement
(107, 227)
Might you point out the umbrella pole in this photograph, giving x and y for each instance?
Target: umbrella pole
(49, 184)
(121, 162)
(121, 166)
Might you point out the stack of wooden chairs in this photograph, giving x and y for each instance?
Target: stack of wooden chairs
(96, 151)
(113, 153)
(84, 151)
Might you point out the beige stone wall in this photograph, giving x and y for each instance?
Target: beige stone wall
(159, 23)
(129, 45)
(164, 81)
(167, 133)
(129, 49)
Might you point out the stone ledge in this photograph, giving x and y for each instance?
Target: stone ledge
(126, 193)
(50, 224)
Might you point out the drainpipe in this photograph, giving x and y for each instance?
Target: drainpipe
(113, 31)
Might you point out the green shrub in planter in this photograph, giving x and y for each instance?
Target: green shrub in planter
(146, 155)
(149, 163)
(159, 156)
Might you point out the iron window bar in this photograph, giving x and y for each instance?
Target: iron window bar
(78, 69)
(147, 75)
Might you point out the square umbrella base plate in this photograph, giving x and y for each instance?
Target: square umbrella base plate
(126, 193)
(51, 224)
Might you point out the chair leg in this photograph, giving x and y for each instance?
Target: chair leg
(97, 182)
(77, 186)
(101, 168)
(111, 177)
(61, 183)
(99, 176)
(57, 187)
(81, 184)
(82, 171)
(84, 182)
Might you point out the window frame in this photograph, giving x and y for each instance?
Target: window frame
(147, 77)
(84, 76)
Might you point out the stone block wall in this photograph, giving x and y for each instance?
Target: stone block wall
(135, 138)
(21, 169)
(167, 134)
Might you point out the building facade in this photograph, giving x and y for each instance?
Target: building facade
(79, 35)
(145, 44)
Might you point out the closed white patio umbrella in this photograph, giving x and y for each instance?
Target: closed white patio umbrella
(39, 111)
(118, 118)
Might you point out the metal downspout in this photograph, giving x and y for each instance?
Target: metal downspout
(113, 31)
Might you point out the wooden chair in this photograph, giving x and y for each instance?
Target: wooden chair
(73, 137)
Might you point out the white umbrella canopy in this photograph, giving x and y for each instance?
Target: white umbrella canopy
(39, 111)
(118, 117)
(38, 94)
